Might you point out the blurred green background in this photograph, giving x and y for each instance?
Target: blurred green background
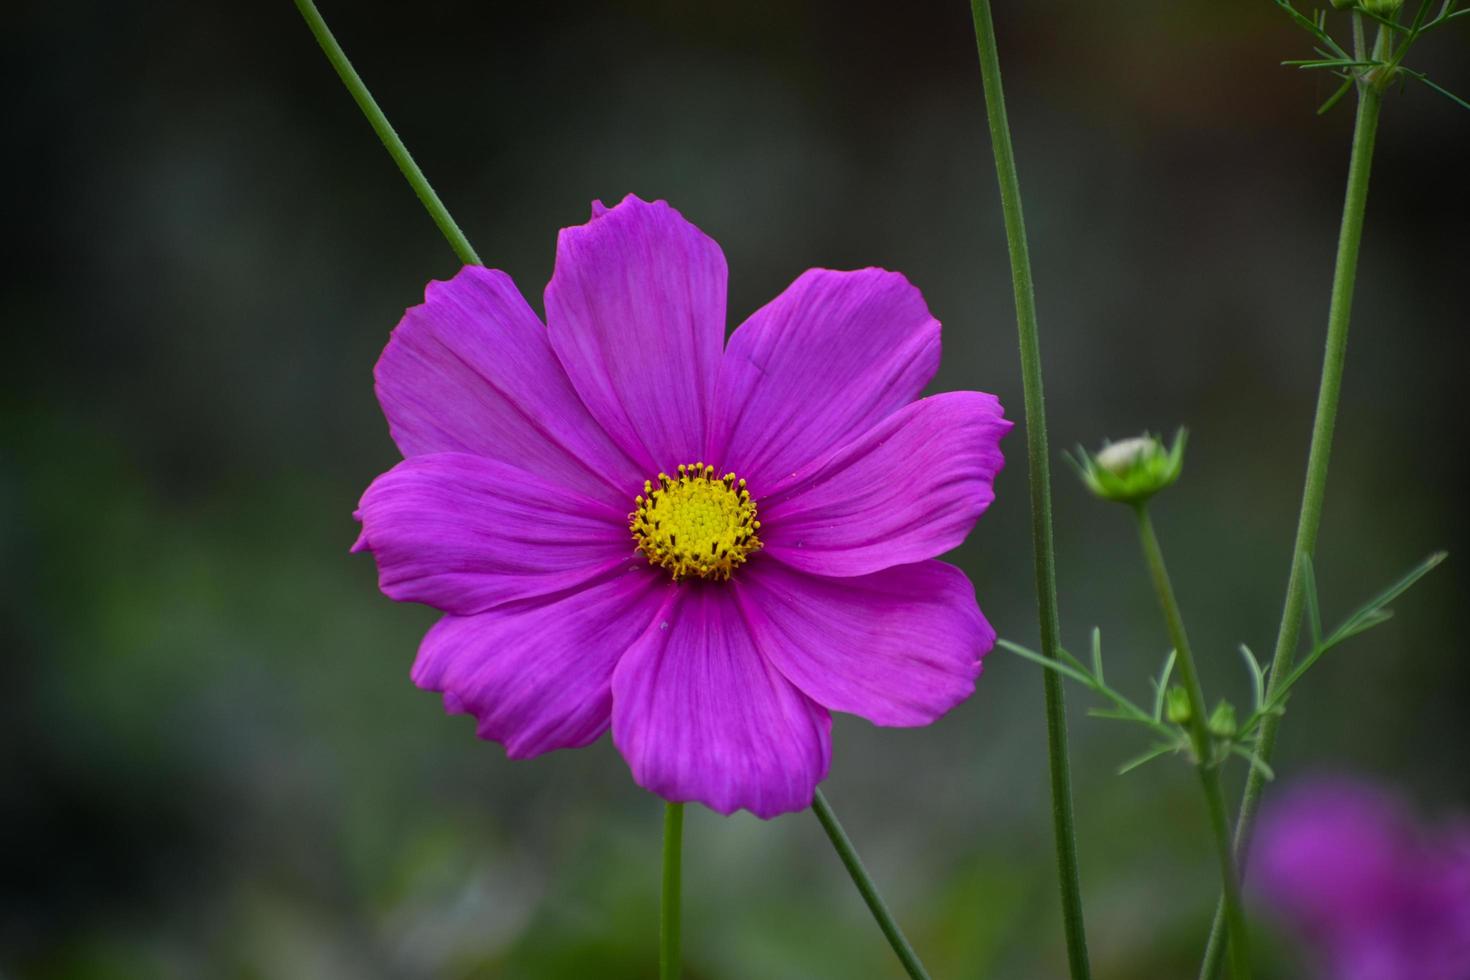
(211, 758)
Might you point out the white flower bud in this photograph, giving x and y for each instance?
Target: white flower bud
(1131, 470)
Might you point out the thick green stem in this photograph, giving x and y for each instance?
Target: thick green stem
(386, 133)
(866, 888)
(668, 912)
(1039, 465)
(1365, 130)
(1204, 754)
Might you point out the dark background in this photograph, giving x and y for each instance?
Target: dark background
(212, 761)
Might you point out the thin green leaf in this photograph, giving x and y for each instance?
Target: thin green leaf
(1147, 757)
(1117, 714)
(1255, 760)
(1336, 97)
(1392, 25)
(1256, 717)
(1329, 63)
(1438, 88)
(1047, 662)
(1311, 26)
(1134, 711)
(1077, 665)
(1370, 614)
(1307, 663)
(1314, 609)
(1446, 14)
(1362, 624)
(1097, 670)
(1395, 590)
(1416, 26)
(1071, 667)
(1258, 677)
(1162, 685)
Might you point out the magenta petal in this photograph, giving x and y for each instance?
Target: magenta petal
(463, 533)
(471, 370)
(898, 647)
(1376, 893)
(538, 675)
(909, 488)
(817, 366)
(1335, 854)
(636, 313)
(701, 716)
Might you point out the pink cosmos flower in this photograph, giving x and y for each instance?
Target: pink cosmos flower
(1375, 894)
(708, 547)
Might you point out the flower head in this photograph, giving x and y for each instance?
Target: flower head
(1377, 896)
(706, 546)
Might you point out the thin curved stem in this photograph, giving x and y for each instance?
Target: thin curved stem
(1199, 732)
(1039, 466)
(1339, 314)
(669, 906)
(854, 864)
(386, 133)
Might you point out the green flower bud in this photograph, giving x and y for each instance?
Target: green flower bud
(1383, 8)
(1176, 705)
(1344, 4)
(1222, 720)
(1133, 470)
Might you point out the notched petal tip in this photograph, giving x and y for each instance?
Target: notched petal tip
(635, 313)
(630, 203)
(991, 404)
(436, 290)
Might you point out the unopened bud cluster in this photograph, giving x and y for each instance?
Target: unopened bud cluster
(1176, 706)
(1222, 721)
(1132, 470)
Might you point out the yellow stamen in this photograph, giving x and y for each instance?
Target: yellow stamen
(694, 524)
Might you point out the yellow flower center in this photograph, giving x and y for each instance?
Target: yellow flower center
(695, 524)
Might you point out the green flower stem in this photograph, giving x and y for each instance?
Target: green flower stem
(866, 888)
(1350, 237)
(1039, 464)
(668, 913)
(1199, 732)
(386, 133)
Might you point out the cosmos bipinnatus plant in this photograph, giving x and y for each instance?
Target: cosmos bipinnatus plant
(708, 547)
(1132, 471)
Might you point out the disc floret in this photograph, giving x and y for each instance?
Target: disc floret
(695, 524)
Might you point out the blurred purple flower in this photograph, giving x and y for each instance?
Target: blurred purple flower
(794, 580)
(1376, 896)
